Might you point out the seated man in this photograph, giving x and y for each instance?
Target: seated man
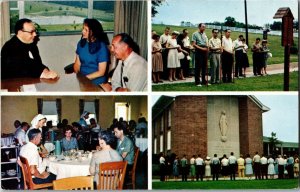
(21, 133)
(37, 166)
(131, 71)
(124, 147)
(20, 55)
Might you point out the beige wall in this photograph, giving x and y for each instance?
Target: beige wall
(24, 108)
(59, 51)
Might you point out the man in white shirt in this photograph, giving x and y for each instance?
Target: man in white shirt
(227, 57)
(215, 49)
(256, 161)
(131, 72)
(238, 48)
(264, 166)
(199, 168)
(21, 133)
(37, 166)
(163, 41)
(281, 163)
(232, 165)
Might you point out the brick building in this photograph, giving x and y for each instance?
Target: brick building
(191, 125)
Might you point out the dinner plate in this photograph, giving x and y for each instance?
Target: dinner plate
(11, 173)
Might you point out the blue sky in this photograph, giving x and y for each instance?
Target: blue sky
(281, 119)
(260, 12)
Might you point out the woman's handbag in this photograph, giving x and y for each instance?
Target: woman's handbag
(180, 55)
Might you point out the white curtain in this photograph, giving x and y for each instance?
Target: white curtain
(4, 23)
(131, 18)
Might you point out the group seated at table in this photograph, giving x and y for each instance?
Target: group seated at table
(114, 145)
(20, 57)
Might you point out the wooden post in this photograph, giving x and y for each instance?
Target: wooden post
(287, 17)
(286, 68)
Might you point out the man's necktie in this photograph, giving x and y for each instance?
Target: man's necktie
(122, 73)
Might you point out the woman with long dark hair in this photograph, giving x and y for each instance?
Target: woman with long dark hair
(92, 53)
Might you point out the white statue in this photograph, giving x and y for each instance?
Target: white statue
(223, 126)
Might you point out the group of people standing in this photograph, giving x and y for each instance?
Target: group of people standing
(261, 167)
(172, 52)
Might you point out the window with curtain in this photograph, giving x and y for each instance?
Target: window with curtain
(64, 16)
(161, 142)
(90, 107)
(169, 118)
(169, 140)
(155, 146)
(162, 123)
(123, 109)
(49, 109)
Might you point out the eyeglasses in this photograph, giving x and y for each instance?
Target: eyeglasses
(31, 32)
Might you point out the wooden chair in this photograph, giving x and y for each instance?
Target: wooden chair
(112, 175)
(74, 183)
(28, 183)
(131, 174)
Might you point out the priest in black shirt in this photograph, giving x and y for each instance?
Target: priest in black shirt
(20, 55)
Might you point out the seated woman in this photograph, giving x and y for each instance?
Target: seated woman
(92, 54)
(107, 153)
(69, 142)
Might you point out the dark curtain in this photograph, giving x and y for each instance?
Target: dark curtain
(40, 105)
(97, 109)
(58, 108)
(81, 106)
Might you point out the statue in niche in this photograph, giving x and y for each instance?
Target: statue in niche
(223, 126)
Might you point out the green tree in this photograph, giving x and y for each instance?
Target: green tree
(276, 25)
(155, 4)
(273, 141)
(230, 21)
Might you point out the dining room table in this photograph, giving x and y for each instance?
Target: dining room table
(64, 83)
(64, 168)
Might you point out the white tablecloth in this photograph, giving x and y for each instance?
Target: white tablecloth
(141, 143)
(64, 169)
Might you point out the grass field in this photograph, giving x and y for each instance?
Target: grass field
(264, 83)
(52, 9)
(274, 42)
(238, 184)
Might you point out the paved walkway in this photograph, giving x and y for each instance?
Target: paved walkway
(271, 69)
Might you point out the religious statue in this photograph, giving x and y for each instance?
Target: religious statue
(223, 126)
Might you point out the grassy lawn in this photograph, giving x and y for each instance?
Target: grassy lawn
(238, 184)
(51, 9)
(274, 42)
(264, 83)
(107, 26)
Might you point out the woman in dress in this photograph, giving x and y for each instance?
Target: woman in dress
(92, 54)
(245, 60)
(248, 168)
(173, 60)
(271, 168)
(69, 142)
(207, 168)
(193, 167)
(175, 168)
(157, 61)
(106, 154)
